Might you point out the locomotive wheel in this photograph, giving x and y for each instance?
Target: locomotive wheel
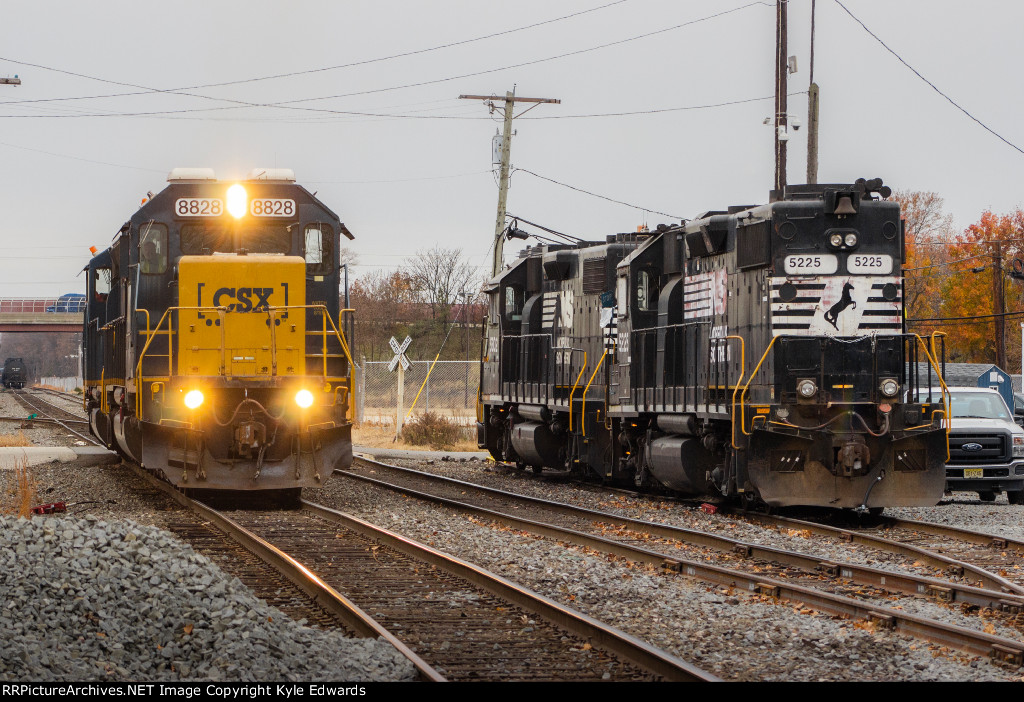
(520, 465)
(537, 469)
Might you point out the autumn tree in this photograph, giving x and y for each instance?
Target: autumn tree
(927, 231)
(985, 249)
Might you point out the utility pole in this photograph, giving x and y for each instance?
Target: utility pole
(781, 80)
(998, 304)
(812, 116)
(506, 149)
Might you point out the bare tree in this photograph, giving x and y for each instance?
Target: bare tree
(440, 277)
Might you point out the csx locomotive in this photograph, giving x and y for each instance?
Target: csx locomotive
(758, 353)
(213, 349)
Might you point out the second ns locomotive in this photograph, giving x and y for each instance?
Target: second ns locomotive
(759, 353)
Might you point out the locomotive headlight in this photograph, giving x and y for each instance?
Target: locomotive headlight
(889, 387)
(193, 398)
(304, 398)
(836, 240)
(806, 388)
(851, 239)
(238, 201)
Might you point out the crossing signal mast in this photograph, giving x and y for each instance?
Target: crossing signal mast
(506, 149)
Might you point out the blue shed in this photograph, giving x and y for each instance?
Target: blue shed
(998, 380)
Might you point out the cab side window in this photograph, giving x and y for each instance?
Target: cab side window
(153, 248)
(317, 248)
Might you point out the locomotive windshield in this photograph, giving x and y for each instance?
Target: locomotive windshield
(199, 238)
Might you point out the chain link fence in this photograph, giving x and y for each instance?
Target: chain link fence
(450, 390)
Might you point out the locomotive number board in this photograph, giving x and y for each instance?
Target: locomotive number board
(272, 207)
(199, 207)
(869, 263)
(814, 263)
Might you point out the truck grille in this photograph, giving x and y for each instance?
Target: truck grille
(995, 448)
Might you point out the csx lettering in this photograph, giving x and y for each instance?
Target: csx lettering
(245, 297)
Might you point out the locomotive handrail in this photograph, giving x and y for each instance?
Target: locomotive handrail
(592, 376)
(753, 374)
(743, 370)
(151, 334)
(942, 383)
(575, 385)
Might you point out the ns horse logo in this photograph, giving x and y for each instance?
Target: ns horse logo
(846, 300)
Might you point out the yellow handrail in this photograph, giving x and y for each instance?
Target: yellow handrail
(942, 383)
(592, 376)
(743, 416)
(576, 385)
(743, 370)
(152, 333)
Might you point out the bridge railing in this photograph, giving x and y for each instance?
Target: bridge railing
(25, 305)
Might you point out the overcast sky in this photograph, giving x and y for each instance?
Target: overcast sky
(412, 168)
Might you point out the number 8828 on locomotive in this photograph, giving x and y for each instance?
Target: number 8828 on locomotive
(213, 349)
(759, 353)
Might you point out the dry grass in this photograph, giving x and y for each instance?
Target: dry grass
(18, 439)
(379, 434)
(20, 495)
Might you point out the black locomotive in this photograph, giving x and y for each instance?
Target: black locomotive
(15, 373)
(759, 353)
(213, 349)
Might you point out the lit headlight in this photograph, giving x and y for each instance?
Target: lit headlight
(193, 398)
(851, 239)
(238, 201)
(304, 398)
(806, 387)
(1018, 446)
(889, 387)
(836, 240)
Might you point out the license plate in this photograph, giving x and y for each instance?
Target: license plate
(974, 472)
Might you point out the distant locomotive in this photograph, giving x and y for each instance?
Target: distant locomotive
(758, 353)
(15, 373)
(212, 348)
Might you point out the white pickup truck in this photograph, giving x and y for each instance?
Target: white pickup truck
(986, 447)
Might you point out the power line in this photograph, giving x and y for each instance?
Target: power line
(294, 104)
(291, 74)
(602, 197)
(933, 86)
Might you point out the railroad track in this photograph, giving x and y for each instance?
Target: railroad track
(838, 588)
(452, 619)
(47, 411)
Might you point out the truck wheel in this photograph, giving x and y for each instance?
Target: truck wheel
(1016, 497)
(986, 496)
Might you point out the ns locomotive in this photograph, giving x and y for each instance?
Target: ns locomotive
(213, 350)
(759, 353)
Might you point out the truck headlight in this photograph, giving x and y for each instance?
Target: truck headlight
(1018, 446)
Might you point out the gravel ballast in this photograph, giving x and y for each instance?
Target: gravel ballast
(86, 599)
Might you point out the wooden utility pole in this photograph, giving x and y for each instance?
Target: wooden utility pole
(506, 150)
(998, 305)
(812, 116)
(781, 86)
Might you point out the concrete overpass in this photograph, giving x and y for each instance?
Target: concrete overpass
(22, 314)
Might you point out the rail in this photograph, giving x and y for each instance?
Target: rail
(152, 333)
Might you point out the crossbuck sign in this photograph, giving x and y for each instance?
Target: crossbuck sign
(399, 354)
